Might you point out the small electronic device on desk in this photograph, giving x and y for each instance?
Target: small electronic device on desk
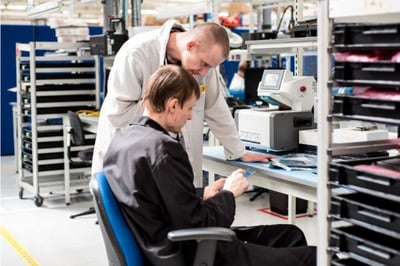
(276, 128)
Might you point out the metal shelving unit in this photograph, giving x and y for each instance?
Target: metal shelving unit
(299, 46)
(358, 214)
(52, 78)
(295, 46)
(276, 46)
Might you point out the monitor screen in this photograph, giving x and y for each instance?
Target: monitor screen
(272, 79)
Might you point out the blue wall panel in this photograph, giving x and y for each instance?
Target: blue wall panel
(10, 35)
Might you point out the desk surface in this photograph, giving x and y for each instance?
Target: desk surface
(304, 177)
(295, 184)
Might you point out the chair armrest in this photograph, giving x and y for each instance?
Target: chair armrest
(207, 238)
(206, 233)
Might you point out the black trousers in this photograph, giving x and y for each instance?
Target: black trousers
(281, 244)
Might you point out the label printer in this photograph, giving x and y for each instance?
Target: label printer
(277, 127)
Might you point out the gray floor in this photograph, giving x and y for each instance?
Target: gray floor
(46, 236)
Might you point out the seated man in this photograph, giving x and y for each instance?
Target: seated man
(151, 176)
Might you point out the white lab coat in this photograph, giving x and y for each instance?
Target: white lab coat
(137, 59)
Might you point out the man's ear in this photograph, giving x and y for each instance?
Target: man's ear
(190, 45)
(172, 104)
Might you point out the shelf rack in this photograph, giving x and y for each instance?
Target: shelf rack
(52, 78)
(358, 214)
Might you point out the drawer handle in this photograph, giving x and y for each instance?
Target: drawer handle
(383, 31)
(373, 180)
(379, 69)
(380, 217)
(391, 107)
(374, 251)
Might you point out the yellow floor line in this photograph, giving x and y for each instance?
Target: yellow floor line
(22, 252)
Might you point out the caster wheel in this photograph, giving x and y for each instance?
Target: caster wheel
(21, 193)
(79, 190)
(38, 200)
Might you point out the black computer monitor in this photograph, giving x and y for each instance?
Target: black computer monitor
(252, 77)
(107, 75)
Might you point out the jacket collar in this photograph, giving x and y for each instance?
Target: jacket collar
(146, 121)
(164, 32)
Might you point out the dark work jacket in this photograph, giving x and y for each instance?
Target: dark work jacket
(150, 174)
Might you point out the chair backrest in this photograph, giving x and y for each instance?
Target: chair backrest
(77, 133)
(122, 248)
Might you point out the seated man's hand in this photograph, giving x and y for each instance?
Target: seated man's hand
(236, 183)
(211, 190)
(256, 157)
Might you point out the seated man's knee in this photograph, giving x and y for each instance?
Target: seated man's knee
(297, 235)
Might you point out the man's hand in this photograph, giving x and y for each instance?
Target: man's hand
(256, 157)
(236, 183)
(211, 190)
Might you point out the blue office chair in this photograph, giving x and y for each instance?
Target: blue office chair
(124, 248)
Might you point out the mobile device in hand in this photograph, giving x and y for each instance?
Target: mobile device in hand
(248, 172)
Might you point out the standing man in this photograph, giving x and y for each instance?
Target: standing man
(199, 51)
(151, 176)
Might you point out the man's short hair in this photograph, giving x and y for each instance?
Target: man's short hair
(169, 81)
(212, 33)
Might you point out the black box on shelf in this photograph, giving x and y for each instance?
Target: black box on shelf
(371, 109)
(107, 44)
(380, 73)
(365, 35)
(279, 203)
(366, 245)
(355, 175)
(374, 213)
(263, 35)
(306, 30)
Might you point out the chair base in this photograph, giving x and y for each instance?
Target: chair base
(90, 211)
(258, 192)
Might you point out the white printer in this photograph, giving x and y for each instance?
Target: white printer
(276, 128)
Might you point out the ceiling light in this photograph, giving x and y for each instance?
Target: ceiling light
(44, 8)
(166, 11)
(12, 7)
(149, 12)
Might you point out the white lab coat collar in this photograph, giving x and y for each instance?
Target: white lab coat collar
(165, 31)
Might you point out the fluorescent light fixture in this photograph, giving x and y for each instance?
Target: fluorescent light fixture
(165, 11)
(149, 12)
(12, 7)
(44, 8)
